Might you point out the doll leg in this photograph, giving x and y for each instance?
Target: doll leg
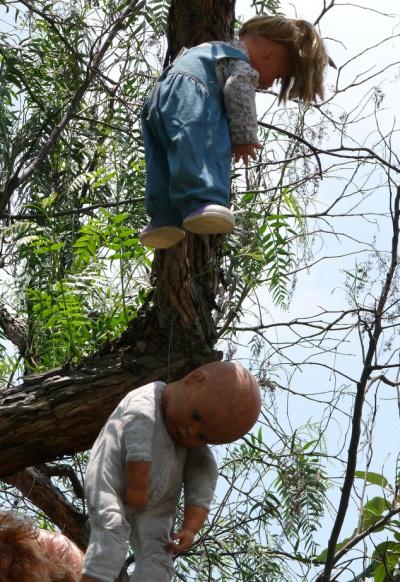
(165, 225)
(199, 155)
(150, 533)
(109, 529)
(106, 551)
(158, 204)
(193, 131)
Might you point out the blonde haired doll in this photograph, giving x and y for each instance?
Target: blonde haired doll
(202, 111)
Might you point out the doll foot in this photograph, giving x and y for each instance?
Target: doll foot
(210, 219)
(161, 237)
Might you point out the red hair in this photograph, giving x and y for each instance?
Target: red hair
(28, 554)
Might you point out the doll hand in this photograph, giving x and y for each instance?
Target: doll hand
(136, 498)
(245, 151)
(185, 539)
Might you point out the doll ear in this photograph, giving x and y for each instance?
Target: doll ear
(195, 377)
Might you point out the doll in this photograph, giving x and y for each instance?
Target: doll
(29, 554)
(202, 111)
(154, 443)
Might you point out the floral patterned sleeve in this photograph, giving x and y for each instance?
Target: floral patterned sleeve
(239, 81)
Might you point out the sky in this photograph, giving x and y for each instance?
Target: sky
(348, 29)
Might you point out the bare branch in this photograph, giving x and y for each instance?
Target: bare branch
(42, 492)
(359, 399)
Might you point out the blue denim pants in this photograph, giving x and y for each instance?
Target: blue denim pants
(188, 149)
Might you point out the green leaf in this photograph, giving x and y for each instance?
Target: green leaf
(380, 573)
(103, 180)
(322, 556)
(385, 549)
(373, 510)
(373, 478)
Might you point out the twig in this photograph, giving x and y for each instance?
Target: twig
(359, 399)
(19, 178)
(315, 150)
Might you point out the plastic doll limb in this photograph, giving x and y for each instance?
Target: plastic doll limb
(245, 151)
(149, 538)
(193, 521)
(137, 483)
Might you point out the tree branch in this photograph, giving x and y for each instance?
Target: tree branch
(39, 418)
(20, 178)
(13, 330)
(48, 498)
(359, 399)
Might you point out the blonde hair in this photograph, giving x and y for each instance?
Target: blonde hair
(28, 554)
(306, 49)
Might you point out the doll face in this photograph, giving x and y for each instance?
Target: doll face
(270, 59)
(216, 403)
(190, 425)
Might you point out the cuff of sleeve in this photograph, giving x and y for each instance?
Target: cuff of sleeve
(138, 457)
(198, 503)
(202, 499)
(243, 138)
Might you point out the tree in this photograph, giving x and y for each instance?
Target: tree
(91, 317)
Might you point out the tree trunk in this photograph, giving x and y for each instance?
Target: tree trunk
(62, 411)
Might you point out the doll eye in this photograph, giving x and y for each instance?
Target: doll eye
(202, 437)
(196, 415)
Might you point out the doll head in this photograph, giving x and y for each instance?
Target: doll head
(288, 50)
(28, 554)
(216, 403)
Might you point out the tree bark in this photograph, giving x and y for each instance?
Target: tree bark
(13, 329)
(49, 499)
(192, 22)
(62, 411)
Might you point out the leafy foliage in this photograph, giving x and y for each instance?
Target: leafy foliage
(73, 270)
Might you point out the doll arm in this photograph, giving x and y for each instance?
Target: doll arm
(137, 483)
(200, 478)
(137, 437)
(239, 92)
(193, 521)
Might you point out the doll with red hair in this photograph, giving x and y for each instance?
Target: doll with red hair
(30, 554)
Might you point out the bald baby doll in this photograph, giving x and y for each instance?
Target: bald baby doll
(154, 443)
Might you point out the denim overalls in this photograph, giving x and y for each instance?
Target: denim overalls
(186, 136)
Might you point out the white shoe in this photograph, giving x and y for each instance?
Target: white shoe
(161, 237)
(210, 219)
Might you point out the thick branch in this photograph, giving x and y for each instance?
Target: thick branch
(13, 329)
(62, 411)
(41, 492)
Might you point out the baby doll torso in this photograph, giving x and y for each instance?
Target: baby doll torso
(136, 432)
